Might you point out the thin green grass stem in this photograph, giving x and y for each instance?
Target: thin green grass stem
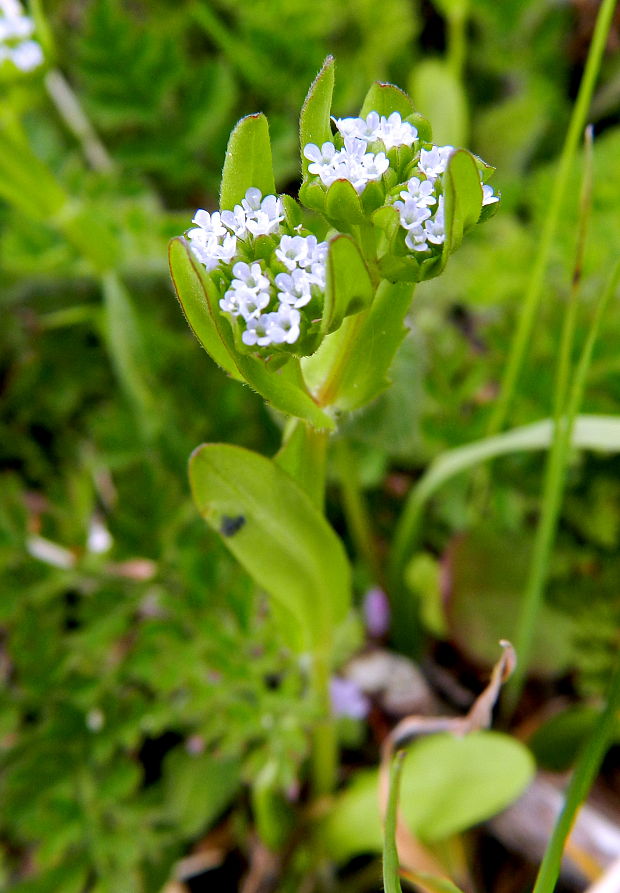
(585, 772)
(391, 865)
(533, 294)
(355, 508)
(563, 372)
(552, 495)
(75, 119)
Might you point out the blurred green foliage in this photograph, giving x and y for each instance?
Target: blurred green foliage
(143, 685)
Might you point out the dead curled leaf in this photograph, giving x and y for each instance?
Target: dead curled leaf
(413, 855)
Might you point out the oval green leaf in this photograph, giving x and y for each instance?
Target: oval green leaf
(463, 198)
(247, 162)
(385, 99)
(273, 529)
(314, 123)
(450, 784)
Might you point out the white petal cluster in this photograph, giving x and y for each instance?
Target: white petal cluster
(422, 225)
(352, 162)
(392, 131)
(16, 44)
(214, 238)
(253, 289)
(305, 258)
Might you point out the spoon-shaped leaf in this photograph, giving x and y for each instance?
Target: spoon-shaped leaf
(277, 534)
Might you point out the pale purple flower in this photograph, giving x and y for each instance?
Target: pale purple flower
(347, 699)
(376, 608)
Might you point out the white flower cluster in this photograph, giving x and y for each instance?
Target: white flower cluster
(414, 209)
(214, 239)
(392, 131)
(253, 290)
(354, 162)
(16, 30)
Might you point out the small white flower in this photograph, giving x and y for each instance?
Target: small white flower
(235, 221)
(374, 166)
(210, 223)
(294, 288)
(393, 131)
(257, 332)
(435, 228)
(249, 277)
(284, 325)
(421, 191)
(488, 197)
(319, 157)
(293, 251)
(411, 214)
(416, 239)
(15, 29)
(244, 302)
(251, 304)
(263, 215)
(364, 129)
(433, 162)
(252, 200)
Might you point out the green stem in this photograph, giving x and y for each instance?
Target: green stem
(347, 337)
(585, 772)
(355, 508)
(457, 43)
(303, 456)
(530, 304)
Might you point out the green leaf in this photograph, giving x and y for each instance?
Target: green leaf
(385, 99)
(463, 198)
(197, 789)
(343, 205)
(284, 387)
(279, 537)
(353, 825)
(350, 368)
(128, 351)
(439, 93)
(314, 121)
(248, 161)
(349, 288)
(450, 784)
(26, 182)
(193, 287)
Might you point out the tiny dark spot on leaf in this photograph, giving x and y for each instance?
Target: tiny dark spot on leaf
(229, 526)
